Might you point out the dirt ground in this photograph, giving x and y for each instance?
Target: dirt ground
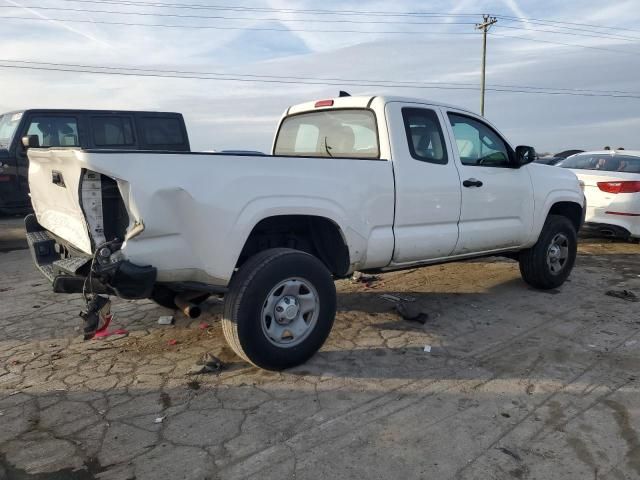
(517, 383)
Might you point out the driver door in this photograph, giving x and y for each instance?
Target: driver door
(497, 198)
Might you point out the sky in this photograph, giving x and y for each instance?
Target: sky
(273, 40)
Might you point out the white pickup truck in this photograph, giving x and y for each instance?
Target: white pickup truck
(353, 183)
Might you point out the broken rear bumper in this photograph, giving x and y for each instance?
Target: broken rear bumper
(73, 273)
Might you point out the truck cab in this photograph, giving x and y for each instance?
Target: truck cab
(86, 129)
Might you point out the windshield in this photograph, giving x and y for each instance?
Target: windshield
(8, 124)
(605, 162)
(350, 133)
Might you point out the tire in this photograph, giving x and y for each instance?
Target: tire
(267, 282)
(538, 264)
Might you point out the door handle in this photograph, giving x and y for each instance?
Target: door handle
(56, 178)
(472, 182)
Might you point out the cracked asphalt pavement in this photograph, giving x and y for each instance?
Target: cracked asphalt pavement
(518, 383)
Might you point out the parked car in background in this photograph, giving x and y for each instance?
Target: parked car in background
(86, 129)
(611, 181)
(353, 183)
(558, 157)
(242, 152)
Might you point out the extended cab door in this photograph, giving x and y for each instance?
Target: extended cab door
(428, 191)
(497, 198)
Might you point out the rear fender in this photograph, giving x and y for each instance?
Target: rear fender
(355, 236)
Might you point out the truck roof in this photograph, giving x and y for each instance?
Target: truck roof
(362, 101)
(82, 110)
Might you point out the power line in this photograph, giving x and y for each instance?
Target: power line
(569, 28)
(553, 42)
(524, 19)
(408, 83)
(270, 29)
(224, 17)
(155, 25)
(603, 35)
(240, 8)
(572, 31)
(219, 27)
(323, 82)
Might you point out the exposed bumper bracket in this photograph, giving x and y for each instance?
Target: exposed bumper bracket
(69, 275)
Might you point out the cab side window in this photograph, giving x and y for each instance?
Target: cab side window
(55, 131)
(111, 131)
(478, 144)
(424, 135)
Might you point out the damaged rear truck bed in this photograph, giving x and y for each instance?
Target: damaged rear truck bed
(353, 183)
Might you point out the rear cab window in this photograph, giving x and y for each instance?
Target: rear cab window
(343, 133)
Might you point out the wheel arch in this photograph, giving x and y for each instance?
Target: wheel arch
(315, 234)
(570, 209)
(565, 202)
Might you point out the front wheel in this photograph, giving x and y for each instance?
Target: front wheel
(279, 309)
(549, 262)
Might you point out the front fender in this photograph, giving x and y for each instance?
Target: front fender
(553, 197)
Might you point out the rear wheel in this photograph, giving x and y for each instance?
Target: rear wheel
(549, 262)
(279, 309)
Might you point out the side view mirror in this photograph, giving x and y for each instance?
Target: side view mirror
(524, 155)
(30, 141)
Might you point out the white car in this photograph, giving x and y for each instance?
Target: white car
(611, 181)
(354, 183)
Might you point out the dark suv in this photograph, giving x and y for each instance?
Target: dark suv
(87, 129)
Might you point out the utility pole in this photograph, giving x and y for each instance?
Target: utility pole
(484, 26)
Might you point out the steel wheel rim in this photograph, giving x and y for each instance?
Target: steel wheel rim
(290, 312)
(558, 253)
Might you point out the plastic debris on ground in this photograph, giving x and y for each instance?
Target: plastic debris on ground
(511, 453)
(159, 420)
(623, 294)
(104, 333)
(427, 348)
(203, 325)
(412, 312)
(367, 280)
(165, 320)
(173, 341)
(208, 364)
(397, 298)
